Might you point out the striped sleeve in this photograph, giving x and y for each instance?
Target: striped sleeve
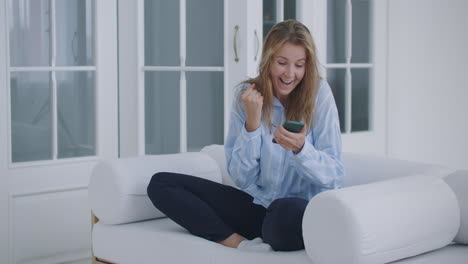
(320, 159)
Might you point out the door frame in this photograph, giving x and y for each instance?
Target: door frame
(4, 179)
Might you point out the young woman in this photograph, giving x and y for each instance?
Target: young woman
(275, 180)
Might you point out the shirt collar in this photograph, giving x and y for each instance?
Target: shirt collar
(277, 102)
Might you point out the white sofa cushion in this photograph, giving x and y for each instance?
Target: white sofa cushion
(367, 168)
(118, 188)
(458, 181)
(381, 222)
(163, 241)
(359, 168)
(217, 153)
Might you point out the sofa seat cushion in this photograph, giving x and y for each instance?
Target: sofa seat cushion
(453, 254)
(163, 241)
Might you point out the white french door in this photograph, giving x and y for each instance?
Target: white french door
(351, 39)
(173, 74)
(158, 98)
(58, 117)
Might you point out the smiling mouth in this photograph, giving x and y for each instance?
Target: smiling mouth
(286, 82)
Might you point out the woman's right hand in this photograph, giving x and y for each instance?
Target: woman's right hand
(253, 102)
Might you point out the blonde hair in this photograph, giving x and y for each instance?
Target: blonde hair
(300, 102)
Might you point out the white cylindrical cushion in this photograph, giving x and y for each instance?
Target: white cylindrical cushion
(458, 181)
(381, 222)
(118, 188)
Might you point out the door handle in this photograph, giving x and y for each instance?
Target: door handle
(236, 32)
(257, 47)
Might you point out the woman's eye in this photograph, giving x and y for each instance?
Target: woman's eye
(299, 65)
(282, 63)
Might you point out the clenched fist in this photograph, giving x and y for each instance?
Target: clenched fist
(253, 102)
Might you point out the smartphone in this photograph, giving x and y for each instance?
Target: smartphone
(291, 126)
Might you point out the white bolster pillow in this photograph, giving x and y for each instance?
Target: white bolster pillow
(118, 188)
(458, 181)
(381, 222)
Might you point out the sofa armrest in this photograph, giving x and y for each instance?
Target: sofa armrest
(117, 188)
(381, 222)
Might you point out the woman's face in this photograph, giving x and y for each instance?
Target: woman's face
(287, 69)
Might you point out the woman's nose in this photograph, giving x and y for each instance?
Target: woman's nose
(289, 72)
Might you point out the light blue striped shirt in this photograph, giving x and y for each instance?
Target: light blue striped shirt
(267, 171)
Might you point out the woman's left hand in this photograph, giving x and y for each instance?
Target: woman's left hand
(289, 140)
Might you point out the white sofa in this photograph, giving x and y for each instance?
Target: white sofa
(389, 211)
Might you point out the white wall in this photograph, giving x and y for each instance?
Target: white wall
(428, 81)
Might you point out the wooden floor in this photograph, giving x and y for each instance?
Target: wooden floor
(95, 260)
(100, 261)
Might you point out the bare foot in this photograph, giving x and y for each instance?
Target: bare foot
(232, 241)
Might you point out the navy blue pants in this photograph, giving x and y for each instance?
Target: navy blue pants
(215, 211)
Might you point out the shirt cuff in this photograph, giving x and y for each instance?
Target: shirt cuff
(250, 135)
(308, 151)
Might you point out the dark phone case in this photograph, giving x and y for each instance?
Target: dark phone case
(291, 126)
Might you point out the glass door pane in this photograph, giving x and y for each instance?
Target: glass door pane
(29, 32)
(289, 9)
(360, 98)
(337, 80)
(270, 16)
(336, 31)
(162, 127)
(361, 31)
(205, 109)
(30, 116)
(205, 36)
(75, 114)
(75, 32)
(162, 33)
